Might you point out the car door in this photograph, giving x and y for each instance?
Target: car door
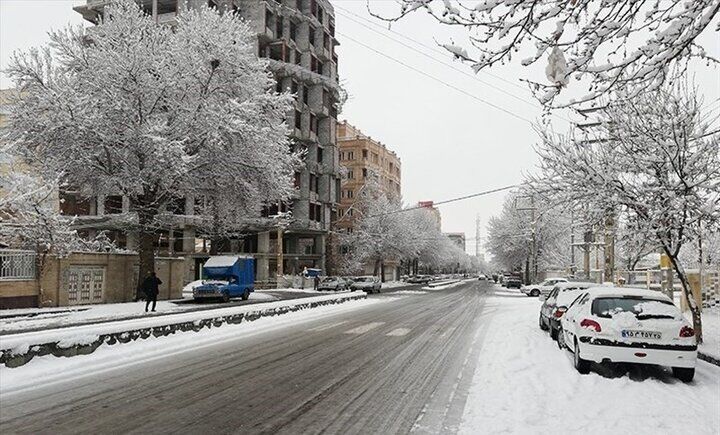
(569, 319)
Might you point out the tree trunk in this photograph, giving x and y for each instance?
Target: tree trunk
(146, 243)
(694, 308)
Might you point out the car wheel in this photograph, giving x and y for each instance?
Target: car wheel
(535, 292)
(581, 365)
(561, 338)
(683, 373)
(541, 323)
(246, 295)
(226, 297)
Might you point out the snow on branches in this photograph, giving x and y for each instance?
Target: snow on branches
(612, 44)
(652, 160)
(156, 113)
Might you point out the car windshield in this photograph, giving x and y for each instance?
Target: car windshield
(329, 279)
(642, 308)
(363, 279)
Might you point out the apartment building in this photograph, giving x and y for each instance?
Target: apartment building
(363, 157)
(458, 239)
(434, 212)
(298, 39)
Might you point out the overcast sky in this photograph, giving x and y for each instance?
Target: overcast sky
(439, 119)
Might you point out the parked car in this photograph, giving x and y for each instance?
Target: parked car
(418, 279)
(512, 282)
(557, 302)
(628, 325)
(543, 288)
(226, 277)
(482, 277)
(370, 284)
(335, 283)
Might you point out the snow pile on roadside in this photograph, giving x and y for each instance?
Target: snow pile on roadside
(47, 371)
(524, 384)
(53, 335)
(711, 331)
(394, 284)
(407, 292)
(77, 315)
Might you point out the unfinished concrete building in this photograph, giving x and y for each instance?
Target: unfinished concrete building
(298, 38)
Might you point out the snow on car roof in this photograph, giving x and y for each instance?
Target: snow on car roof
(222, 261)
(573, 284)
(600, 291)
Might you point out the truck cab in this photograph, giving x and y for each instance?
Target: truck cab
(226, 277)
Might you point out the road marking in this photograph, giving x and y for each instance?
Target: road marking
(364, 328)
(398, 332)
(324, 327)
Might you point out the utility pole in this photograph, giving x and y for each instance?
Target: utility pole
(572, 244)
(477, 235)
(532, 257)
(609, 264)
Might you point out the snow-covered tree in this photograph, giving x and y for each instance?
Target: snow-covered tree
(510, 235)
(608, 44)
(654, 159)
(155, 113)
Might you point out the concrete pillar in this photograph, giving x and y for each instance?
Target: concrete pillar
(100, 205)
(263, 265)
(132, 241)
(320, 249)
(188, 244)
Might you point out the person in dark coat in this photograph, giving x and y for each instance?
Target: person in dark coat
(150, 287)
(316, 282)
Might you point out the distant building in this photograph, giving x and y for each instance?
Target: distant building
(458, 239)
(363, 157)
(430, 206)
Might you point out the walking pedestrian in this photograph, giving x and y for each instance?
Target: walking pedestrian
(316, 282)
(150, 287)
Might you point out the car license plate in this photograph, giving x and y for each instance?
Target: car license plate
(652, 335)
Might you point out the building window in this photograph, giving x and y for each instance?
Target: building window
(350, 212)
(326, 41)
(293, 31)
(313, 123)
(298, 120)
(297, 181)
(375, 158)
(268, 18)
(311, 36)
(278, 86)
(319, 154)
(298, 57)
(351, 155)
(113, 204)
(365, 154)
(350, 175)
(306, 94)
(349, 193)
(364, 172)
(342, 155)
(279, 27)
(314, 183)
(294, 87)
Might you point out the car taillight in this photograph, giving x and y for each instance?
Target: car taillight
(588, 323)
(560, 311)
(687, 331)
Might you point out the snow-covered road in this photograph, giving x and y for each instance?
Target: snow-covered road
(524, 384)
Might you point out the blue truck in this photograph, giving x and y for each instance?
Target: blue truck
(226, 277)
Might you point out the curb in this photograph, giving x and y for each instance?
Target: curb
(60, 349)
(708, 358)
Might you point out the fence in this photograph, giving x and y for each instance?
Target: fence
(17, 265)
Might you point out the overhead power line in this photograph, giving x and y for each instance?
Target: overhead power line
(442, 62)
(448, 201)
(451, 86)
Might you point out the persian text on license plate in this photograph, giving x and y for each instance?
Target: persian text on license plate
(652, 335)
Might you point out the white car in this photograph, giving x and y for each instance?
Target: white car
(630, 326)
(334, 283)
(557, 302)
(543, 288)
(370, 284)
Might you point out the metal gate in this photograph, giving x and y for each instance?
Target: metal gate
(85, 284)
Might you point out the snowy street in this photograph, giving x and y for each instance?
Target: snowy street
(467, 358)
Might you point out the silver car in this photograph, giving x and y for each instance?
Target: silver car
(370, 284)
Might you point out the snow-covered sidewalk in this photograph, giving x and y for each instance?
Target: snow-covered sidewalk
(45, 318)
(524, 384)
